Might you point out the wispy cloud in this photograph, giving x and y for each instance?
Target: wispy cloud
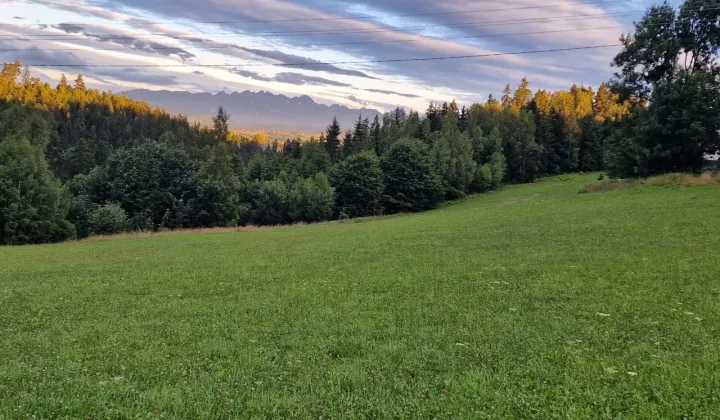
(301, 79)
(250, 75)
(390, 92)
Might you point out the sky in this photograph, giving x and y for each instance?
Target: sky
(236, 45)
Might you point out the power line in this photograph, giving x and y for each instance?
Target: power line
(140, 48)
(308, 64)
(341, 31)
(221, 22)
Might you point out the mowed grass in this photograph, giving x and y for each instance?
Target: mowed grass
(535, 301)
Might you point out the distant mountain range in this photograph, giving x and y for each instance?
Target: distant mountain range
(254, 109)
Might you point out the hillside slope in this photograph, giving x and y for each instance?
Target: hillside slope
(535, 301)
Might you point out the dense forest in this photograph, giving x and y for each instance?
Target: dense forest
(76, 162)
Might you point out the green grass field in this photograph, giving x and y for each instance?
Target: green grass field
(535, 301)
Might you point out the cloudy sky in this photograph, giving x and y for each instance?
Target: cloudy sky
(213, 45)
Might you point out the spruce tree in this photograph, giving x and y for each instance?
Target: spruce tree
(80, 83)
(506, 99)
(220, 124)
(332, 141)
(375, 134)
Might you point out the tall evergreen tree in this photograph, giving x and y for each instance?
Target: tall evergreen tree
(375, 134)
(506, 99)
(332, 141)
(220, 124)
(63, 85)
(80, 83)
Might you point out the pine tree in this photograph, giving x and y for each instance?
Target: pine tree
(375, 134)
(347, 140)
(80, 83)
(332, 142)
(434, 115)
(220, 124)
(506, 100)
(360, 138)
(463, 123)
(63, 85)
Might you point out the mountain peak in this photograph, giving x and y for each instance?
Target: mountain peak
(263, 109)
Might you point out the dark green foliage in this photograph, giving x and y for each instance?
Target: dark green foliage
(650, 53)
(332, 140)
(485, 146)
(152, 183)
(268, 203)
(680, 125)
(217, 189)
(33, 203)
(375, 134)
(524, 156)
(311, 199)
(360, 139)
(591, 148)
(313, 159)
(358, 182)
(411, 182)
(263, 166)
(674, 133)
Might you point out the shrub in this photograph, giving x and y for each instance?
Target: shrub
(108, 219)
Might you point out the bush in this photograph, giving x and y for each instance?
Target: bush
(108, 219)
(358, 182)
(411, 183)
(311, 199)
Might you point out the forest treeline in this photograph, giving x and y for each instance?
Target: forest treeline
(76, 162)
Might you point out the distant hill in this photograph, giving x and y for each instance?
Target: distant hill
(255, 109)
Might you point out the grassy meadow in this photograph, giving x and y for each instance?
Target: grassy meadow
(535, 301)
